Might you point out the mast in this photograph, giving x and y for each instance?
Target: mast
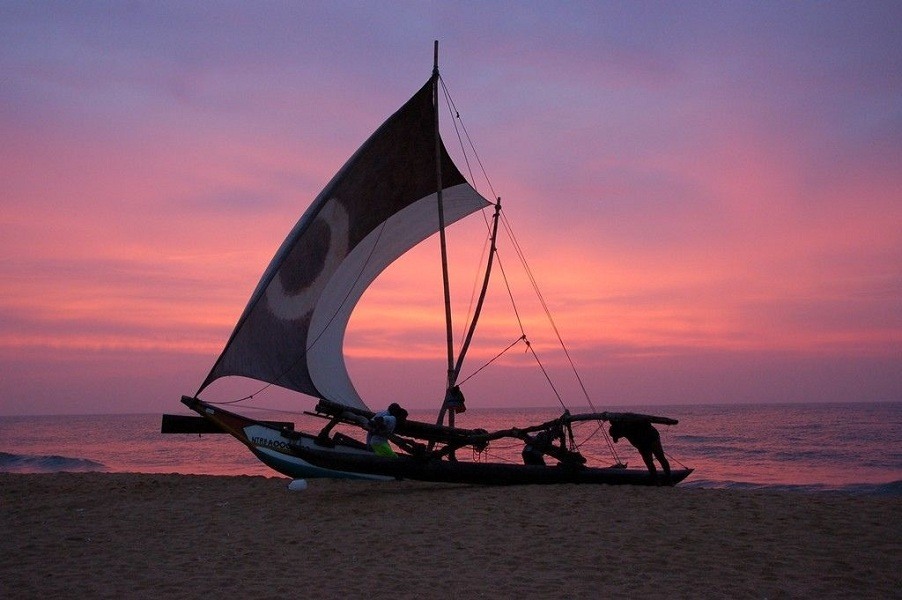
(442, 240)
(482, 293)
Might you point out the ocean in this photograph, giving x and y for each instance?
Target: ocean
(845, 448)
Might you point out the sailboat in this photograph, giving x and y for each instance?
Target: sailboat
(398, 189)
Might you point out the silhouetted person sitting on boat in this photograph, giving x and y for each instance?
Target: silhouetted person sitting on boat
(540, 444)
(381, 427)
(647, 441)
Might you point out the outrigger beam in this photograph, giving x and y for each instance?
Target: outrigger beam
(191, 424)
(454, 437)
(408, 427)
(628, 416)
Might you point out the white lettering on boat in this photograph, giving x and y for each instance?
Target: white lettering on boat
(266, 437)
(276, 444)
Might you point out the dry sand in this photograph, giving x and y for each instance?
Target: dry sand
(99, 535)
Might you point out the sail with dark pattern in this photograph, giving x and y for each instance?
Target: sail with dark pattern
(382, 203)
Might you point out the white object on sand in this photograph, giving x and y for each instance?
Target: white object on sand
(297, 485)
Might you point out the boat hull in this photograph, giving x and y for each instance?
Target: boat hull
(301, 455)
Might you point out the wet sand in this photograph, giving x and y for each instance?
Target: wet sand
(100, 535)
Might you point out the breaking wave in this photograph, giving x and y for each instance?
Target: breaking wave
(26, 463)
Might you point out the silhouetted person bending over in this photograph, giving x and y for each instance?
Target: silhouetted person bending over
(647, 441)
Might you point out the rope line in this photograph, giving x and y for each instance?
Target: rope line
(545, 373)
(456, 119)
(497, 356)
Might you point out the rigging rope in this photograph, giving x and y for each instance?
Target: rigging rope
(474, 291)
(535, 285)
(545, 373)
(456, 119)
(599, 426)
(497, 356)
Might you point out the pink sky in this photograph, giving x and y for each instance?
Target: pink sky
(710, 195)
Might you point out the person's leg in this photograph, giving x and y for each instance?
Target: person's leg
(384, 450)
(659, 454)
(649, 462)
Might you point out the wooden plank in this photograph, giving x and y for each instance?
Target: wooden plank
(191, 424)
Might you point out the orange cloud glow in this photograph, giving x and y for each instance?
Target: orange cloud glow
(708, 200)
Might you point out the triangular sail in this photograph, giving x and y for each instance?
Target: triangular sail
(380, 204)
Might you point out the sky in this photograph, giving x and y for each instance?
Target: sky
(709, 195)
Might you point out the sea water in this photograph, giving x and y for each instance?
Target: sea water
(849, 448)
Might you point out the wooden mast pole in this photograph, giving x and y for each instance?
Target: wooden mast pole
(442, 240)
(482, 292)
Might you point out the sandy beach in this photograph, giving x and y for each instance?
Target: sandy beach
(98, 535)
